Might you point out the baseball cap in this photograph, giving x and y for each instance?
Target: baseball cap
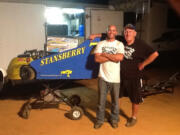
(130, 26)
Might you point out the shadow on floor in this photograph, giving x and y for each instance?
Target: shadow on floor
(25, 91)
(92, 118)
(88, 96)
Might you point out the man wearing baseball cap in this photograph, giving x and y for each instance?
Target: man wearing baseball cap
(137, 55)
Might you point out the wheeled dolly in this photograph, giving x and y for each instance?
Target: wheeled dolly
(50, 98)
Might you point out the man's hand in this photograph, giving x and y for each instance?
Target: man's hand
(100, 58)
(104, 54)
(141, 66)
(92, 37)
(113, 57)
(147, 61)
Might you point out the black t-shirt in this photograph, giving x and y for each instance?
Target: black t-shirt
(134, 54)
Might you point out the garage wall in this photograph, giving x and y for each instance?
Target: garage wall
(100, 19)
(154, 24)
(157, 23)
(21, 28)
(97, 20)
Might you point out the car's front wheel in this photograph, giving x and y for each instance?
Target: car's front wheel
(27, 73)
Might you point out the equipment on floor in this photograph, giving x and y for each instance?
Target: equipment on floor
(166, 86)
(51, 98)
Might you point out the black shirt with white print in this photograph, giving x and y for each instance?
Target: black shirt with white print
(133, 55)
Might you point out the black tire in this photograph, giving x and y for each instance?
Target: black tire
(76, 113)
(75, 100)
(25, 110)
(27, 73)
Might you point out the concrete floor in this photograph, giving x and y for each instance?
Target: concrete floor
(158, 115)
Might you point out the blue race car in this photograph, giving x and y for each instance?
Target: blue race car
(76, 63)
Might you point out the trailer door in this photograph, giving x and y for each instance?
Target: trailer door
(97, 20)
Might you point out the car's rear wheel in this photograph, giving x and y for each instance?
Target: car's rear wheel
(27, 73)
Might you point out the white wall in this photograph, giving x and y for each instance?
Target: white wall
(21, 28)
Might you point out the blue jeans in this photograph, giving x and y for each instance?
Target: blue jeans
(102, 93)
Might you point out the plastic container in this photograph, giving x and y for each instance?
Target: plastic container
(81, 30)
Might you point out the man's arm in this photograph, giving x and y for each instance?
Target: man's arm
(93, 36)
(100, 59)
(149, 60)
(103, 36)
(113, 57)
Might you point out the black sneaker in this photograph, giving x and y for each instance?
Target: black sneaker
(98, 125)
(114, 124)
(131, 122)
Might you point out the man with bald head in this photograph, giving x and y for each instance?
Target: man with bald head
(109, 53)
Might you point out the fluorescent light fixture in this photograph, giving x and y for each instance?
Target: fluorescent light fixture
(54, 15)
(72, 10)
